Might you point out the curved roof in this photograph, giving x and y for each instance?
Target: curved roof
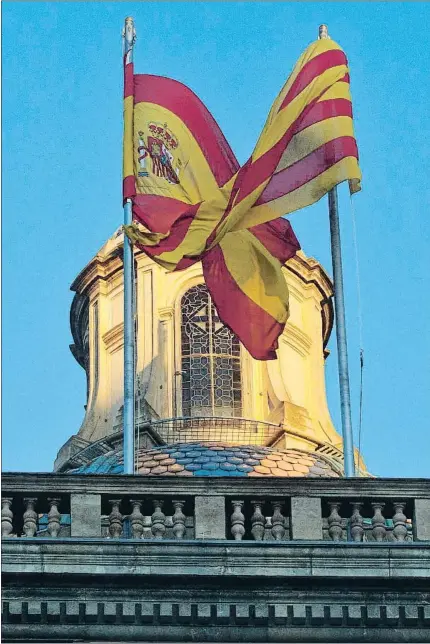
(216, 459)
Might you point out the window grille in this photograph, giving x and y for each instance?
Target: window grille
(211, 373)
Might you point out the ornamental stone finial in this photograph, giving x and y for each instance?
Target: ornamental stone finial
(323, 32)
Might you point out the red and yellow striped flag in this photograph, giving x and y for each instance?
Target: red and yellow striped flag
(192, 201)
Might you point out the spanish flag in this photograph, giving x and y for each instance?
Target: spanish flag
(193, 202)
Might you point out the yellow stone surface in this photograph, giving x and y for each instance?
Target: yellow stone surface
(289, 391)
(261, 469)
(283, 465)
(266, 462)
(276, 471)
(300, 468)
(305, 461)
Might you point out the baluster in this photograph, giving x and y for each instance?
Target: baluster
(400, 530)
(335, 521)
(54, 518)
(357, 530)
(115, 519)
(178, 519)
(6, 516)
(136, 519)
(257, 521)
(30, 517)
(237, 521)
(378, 521)
(278, 521)
(158, 518)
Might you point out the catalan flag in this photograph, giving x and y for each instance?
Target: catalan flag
(193, 202)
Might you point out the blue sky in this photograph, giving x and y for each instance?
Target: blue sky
(62, 128)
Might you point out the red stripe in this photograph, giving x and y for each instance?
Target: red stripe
(254, 327)
(180, 100)
(312, 69)
(278, 237)
(233, 193)
(161, 215)
(128, 80)
(129, 187)
(260, 170)
(265, 166)
(325, 110)
(308, 168)
(186, 262)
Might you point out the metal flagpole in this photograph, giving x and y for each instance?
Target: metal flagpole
(339, 305)
(128, 418)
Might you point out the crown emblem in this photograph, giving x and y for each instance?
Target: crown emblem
(162, 132)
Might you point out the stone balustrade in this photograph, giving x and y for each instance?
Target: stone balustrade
(260, 509)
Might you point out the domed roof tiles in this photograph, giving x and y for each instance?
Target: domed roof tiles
(216, 459)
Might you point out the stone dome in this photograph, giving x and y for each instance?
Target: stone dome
(217, 459)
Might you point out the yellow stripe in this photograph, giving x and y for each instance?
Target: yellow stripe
(204, 222)
(239, 213)
(257, 273)
(338, 90)
(272, 132)
(315, 49)
(196, 179)
(304, 196)
(139, 233)
(128, 166)
(313, 137)
(239, 217)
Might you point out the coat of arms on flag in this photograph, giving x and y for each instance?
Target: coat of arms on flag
(156, 148)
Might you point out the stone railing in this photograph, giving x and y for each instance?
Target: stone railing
(259, 509)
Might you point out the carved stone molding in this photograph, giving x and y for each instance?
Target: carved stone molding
(317, 617)
(114, 338)
(166, 312)
(297, 339)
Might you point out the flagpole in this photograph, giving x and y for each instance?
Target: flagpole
(339, 306)
(128, 272)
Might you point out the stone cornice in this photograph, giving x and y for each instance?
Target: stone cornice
(213, 558)
(47, 483)
(98, 268)
(311, 272)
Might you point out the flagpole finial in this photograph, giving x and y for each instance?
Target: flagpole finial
(323, 32)
(129, 33)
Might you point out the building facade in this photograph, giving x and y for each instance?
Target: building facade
(238, 524)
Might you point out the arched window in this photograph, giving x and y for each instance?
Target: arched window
(211, 381)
